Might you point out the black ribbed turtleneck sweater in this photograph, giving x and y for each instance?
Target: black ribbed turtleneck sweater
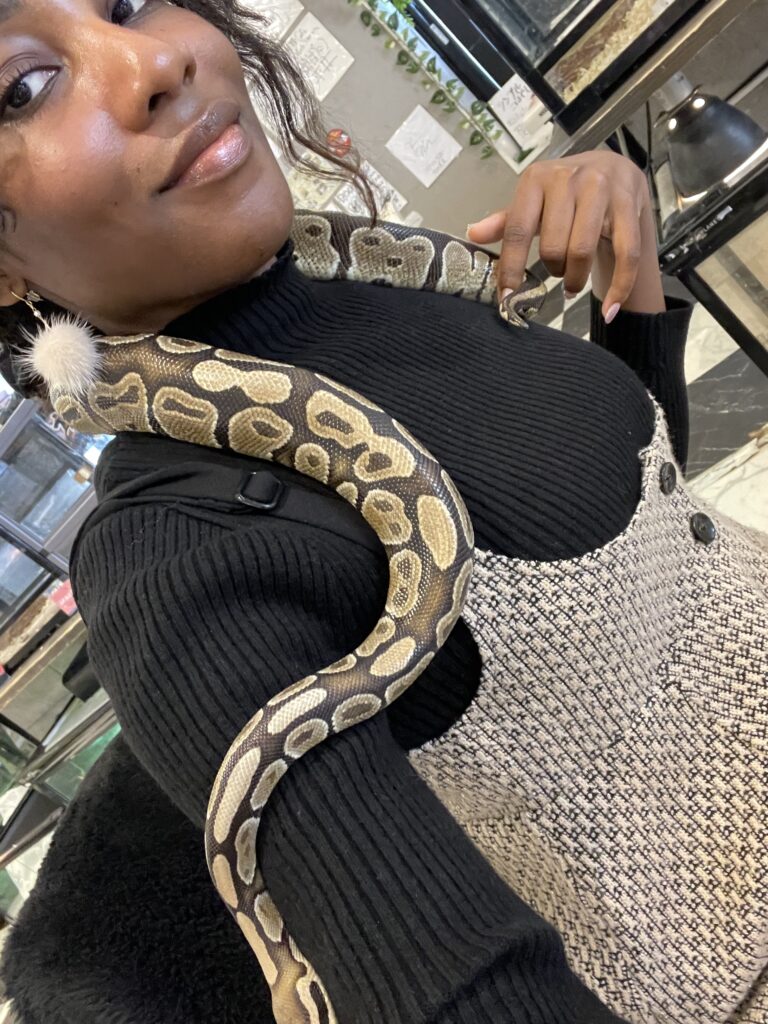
(195, 621)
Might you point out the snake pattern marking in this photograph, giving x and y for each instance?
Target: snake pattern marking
(195, 393)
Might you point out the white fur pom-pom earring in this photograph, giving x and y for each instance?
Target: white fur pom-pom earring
(64, 353)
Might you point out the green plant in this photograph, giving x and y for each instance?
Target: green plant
(379, 19)
(402, 7)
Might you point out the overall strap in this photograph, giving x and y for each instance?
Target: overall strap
(206, 488)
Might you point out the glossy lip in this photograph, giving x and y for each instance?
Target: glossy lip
(211, 126)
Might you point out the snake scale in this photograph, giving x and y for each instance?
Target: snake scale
(195, 393)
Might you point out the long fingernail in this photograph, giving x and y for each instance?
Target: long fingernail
(610, 316)
(505, 292)
(469, 228)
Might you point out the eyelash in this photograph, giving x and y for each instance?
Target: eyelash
(23, 72)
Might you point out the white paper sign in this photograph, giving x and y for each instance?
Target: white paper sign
(386, 193)
(350, 201)
(388, 200)
(311, 191)
(414, 219)
(510, 152)
(537, 146)
(319, 54)
(534, 139)
(280, 14)
(520, 110)
(424, 146)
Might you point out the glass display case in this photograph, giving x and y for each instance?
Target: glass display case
(35, 695)
(51, 734)
(16, 750)
(41, 478)
(46, 473)
(22, 578)
(719, 250)
(9, 401)
(572, 53)
(737, 273)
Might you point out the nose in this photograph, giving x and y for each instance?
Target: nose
(137, 73)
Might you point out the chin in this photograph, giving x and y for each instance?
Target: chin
(252, 237)
(230, 236)
(267, 222)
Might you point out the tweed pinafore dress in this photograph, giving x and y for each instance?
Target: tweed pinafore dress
(613, 766)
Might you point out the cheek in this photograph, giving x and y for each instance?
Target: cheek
(79, 173)
(78, 211)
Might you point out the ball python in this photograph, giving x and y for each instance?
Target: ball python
(193, 392)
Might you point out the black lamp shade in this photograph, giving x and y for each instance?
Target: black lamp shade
(708, 139)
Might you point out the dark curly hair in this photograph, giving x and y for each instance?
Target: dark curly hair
(294, 114)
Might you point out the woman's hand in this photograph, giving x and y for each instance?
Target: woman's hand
(593, 212)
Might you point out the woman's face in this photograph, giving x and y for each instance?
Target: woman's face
(89, 134)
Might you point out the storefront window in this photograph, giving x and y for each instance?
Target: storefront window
(44, 472)
(615, 32)
(605, 30)
(738, 274)
(9, 400)
(15, 752)
(537, 27)
(20, 579)
(64, 782)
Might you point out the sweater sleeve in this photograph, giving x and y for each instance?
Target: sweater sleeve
(653, 345)
(192, 627)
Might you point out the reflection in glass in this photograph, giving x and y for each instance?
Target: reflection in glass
(20, 579)
(40, 479)
(64, 782)
(572, 43)
(15, 752)
(602, 44)
(738, 273)
(537, 26)
(9, 400)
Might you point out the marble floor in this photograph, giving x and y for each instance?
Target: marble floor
(728, 396)
(737, 486)
(728, 401)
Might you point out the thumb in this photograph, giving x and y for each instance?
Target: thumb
(489, 229)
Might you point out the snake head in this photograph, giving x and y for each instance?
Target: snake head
(524, 302)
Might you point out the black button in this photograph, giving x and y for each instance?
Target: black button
(703, 528)
(668, 478)
(260, 490)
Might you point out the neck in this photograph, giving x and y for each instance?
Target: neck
(274, 302)
(155, 321)
(270, 262)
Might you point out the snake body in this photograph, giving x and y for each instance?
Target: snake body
(210, 396)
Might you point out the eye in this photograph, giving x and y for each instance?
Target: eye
(20, 91)
(24, 89)
(124, 7)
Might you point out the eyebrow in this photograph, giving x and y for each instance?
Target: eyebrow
(8, 8)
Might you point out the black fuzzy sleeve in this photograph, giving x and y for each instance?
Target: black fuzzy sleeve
(653, 345)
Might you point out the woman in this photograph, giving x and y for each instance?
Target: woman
(197, 617)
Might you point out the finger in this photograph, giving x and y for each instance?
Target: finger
(556, 224)
(627, 248)
(522, 223)
(489, 229)
(588, 223)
